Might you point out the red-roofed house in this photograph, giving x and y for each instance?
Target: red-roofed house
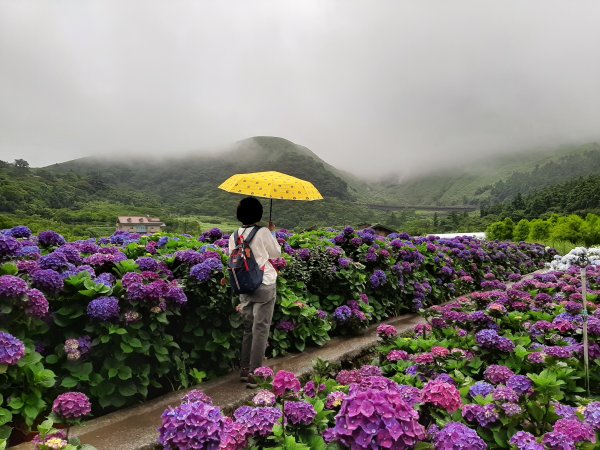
(139, 224)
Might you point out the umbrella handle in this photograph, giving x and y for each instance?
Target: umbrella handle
(270, 210)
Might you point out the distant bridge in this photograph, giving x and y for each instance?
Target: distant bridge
(423, 208)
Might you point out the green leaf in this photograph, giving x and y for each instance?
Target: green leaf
(69, 382)
(9, 269)
(5, 416)
(16, 403)
(127, 389)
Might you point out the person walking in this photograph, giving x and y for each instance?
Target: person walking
(257, 307)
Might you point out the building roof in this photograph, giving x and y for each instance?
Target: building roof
(138, 220)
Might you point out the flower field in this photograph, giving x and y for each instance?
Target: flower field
(496, 369)
(129, 317)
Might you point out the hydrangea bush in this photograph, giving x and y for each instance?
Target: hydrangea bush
(128, 317)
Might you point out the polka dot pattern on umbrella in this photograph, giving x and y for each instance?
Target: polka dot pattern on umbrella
(272, 184)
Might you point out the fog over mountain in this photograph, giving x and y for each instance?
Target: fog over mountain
(375, 88)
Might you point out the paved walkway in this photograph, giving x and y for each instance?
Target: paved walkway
(135, 428)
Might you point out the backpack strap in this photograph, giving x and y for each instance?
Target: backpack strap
(235, 238)
(252, 234)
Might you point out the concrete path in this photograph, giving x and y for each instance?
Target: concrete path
(135, 428)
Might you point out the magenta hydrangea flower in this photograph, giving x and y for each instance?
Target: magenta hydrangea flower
(264, 398)
(387, 332)
(521, 439)
(234, 435)
(397, 355)
(12, 287)
(575, 430)
(196, 395)
(192, 426)
(299, 413)
(259, 421)
(263, 372)
(285, 383)
(72, 405)
(443, 395)
(374, 419)
(496, 374)
(11, 349)
(37, 304)
(457, 436)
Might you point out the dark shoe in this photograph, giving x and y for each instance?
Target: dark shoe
(244, 372)
(252, 383)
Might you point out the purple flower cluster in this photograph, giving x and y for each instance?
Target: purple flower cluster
(48, 281)
(264, 398)
(484, 416)
(286, 326)
(491, 340)
(11, 349)
(378, 279)
(263, 372)
(371, 419)
(72, 406)
(455, 436)
(203, 271)
(50, 239)
(259, 421)
(9, 246)
(496, 374)
(299, 413)
(104, 309)
(37, 305)
(190, 426)
(12, 287)
(196, 395)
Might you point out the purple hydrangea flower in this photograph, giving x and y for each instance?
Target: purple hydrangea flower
(147, 264)
(196, 395)
(12, 287)
(522, 438)
(505, 394)
(303, 254)
(344, 262)
(72, 405)
(592, 415)
(9, 246)
(377, 419)
(263, 372)
(11, 349)
(397, 355)
(203, 271)
(104, 309)
(55, 261)
(557, 441)
(496, 374)
(48, 281)
(192, 425)
(286, 326)
(456, 436)
(299, 413)
(342, 313)
(50, 238)
(378, 279)
(521, 384)
(20, 231)
(511, 409)
(37, 305)
(260, 421)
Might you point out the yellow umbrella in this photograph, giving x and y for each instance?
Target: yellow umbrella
(271, 185)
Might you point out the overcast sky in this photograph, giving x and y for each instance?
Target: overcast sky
(371, 86)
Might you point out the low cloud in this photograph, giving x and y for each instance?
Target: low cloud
(391, 87)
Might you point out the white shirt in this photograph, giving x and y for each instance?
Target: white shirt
(264, 246)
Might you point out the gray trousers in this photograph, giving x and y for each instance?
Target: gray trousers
(257, 312)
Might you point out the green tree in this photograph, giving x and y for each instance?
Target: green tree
(521, 230)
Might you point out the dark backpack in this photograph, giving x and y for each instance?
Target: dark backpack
(246, 275)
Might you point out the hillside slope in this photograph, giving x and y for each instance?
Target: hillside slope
(497, 179)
